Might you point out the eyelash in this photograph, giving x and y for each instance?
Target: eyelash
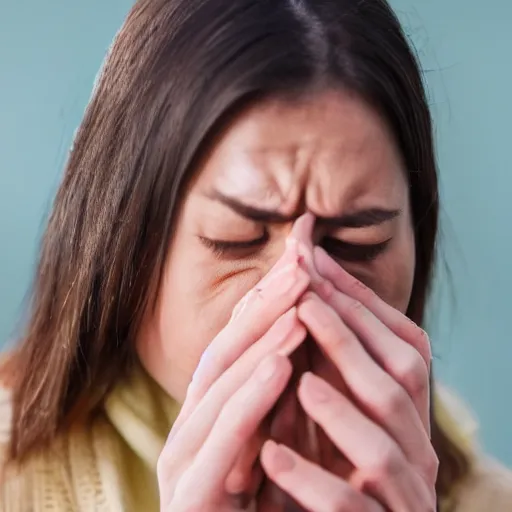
(363, 253)
(223, 248)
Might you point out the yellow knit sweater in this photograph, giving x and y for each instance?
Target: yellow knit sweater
(110, 466)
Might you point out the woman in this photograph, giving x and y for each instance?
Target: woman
(259, 173)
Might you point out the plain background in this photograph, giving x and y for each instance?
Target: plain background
(49, 56)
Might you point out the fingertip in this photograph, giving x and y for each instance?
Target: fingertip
(238, 481)
(307, 380)
(308, 296)
(320, 254)
(286, 364)
(294, 339)
(304, 378)
(305, 304)
(324, 263)
(268, 448)
(276, 458)
(302, 228)
(288, 319)
(272, 366)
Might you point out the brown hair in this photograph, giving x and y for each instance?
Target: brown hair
(177, 69)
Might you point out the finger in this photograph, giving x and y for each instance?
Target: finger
(330, 457)
(311, 486)
(255, 314)
(195, 424)
(401, 360)
(284, 336)
(244, 499)
(302, 229)
(237, 422)
(400, 324)
(241, 477)
(380, 396)
(302, 232)
(381, 467)
(305, 438)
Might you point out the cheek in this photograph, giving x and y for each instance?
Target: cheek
(395, 276)
(197, 299)
(399, 287)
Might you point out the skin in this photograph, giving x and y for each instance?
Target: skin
(331, 156)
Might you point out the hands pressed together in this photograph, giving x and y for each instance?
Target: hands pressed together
(378, 423)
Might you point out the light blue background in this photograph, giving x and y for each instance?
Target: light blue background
(50, 53)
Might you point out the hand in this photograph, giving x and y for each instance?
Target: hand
(240, 378)
(383, 429)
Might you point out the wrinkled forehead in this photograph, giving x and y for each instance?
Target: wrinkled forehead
(331, 150)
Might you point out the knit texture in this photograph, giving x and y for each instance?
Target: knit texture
(110, 466)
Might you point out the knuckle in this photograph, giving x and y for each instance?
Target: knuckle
(334, 341)
(391, 402)
(238, 432)
(431, 466)
(422, 342)
(358, 288)
(166, 471)
(163, 464)
(432, 506)
(342, 502)
(355, 307)
(413, 374)
(386, 465)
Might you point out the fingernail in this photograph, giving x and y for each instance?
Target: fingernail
(282, 459)
(316, 389)
(266, 369)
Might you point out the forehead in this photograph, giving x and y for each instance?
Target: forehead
(330, 149)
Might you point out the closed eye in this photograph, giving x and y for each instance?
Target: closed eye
(238, 249)
(348, 252)
(339, 249)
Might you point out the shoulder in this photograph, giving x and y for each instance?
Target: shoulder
(487, 487)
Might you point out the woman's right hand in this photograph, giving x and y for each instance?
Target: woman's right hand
(239, 380)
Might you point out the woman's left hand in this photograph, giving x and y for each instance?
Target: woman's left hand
(383, 429)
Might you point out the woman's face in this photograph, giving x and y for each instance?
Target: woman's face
(329, 154)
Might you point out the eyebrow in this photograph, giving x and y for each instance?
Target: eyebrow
(359, 219)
